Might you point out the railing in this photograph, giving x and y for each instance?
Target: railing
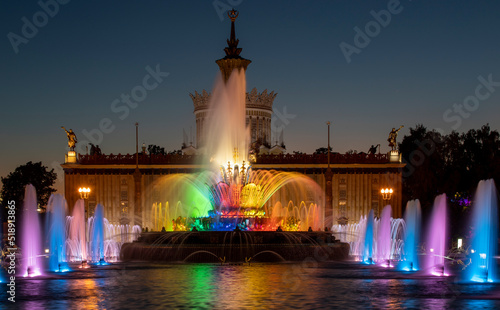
(152, 159)
(144, 159)
(335, 158)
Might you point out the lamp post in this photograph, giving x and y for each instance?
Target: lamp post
(84, 194)
(328, 188)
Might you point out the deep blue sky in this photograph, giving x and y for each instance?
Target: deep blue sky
(428, 57)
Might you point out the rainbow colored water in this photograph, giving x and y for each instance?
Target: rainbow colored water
(230, 194)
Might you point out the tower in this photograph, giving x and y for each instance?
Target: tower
(232, 60)
(259, 106)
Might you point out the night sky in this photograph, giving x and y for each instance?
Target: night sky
(428, 57)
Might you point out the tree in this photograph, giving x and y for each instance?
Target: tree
(30, 173)
(322, 150)
(452, 164)
(156, 150)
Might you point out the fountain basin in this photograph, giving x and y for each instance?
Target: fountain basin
(235, 246)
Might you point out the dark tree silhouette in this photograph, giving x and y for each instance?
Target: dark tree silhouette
(452, 164)
(30, 173)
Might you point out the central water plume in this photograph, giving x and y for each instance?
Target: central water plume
(227, 138)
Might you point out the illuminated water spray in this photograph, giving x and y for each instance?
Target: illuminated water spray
(434, 261)
(412, 236)
(368, 246)
(31, 241)
(384, 238)
(96, 233)
(485, 229)
(56, 233)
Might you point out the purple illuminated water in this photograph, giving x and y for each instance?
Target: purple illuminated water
(77, 241)
(31, 244)
(384, 236)
(434, 261)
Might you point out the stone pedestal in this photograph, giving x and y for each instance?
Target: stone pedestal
(394, 157)
(70, 158)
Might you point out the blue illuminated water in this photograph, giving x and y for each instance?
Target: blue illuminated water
(485, 229)
(410, 253)
(56, 233)
(96, 232)
(368, 247)
(308, 285)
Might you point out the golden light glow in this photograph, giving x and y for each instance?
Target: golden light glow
(84, 192)
(386, 193)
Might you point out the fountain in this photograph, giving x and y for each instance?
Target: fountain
(485, 239)
(76, 243)
(30, 241)
(56, 233)
(105, 239)
(384, 237)
(96, 234)
(434, 262)
(203, 201)
(412, 236)
(231, 199)
(368, 240)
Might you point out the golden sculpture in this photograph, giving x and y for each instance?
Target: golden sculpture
(71, 138)
(392, 138)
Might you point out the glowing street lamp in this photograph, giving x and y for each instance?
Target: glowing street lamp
(84, 192)
(386, 193)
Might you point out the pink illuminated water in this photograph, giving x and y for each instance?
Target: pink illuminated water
(76, 243)
(31, 241)
(433, 262)
(384, 236)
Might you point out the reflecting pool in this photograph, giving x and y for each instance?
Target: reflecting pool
(305, 285)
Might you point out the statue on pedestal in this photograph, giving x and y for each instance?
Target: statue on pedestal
(392, 138)
(71, 138)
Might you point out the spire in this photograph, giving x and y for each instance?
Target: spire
(232, 50)
(232, 60)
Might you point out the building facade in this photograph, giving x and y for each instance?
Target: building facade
(128, 185)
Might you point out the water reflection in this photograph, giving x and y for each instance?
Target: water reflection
(248, 286)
